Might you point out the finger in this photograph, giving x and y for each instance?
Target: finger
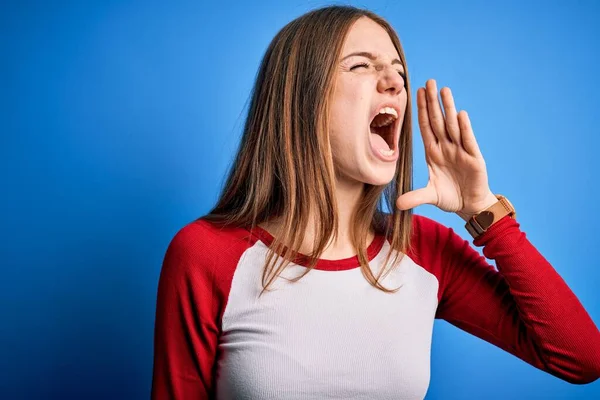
(467, 136)
(436, 117)
(451, 119)
(426, 131)
(417, 197)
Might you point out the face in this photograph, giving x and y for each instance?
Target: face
(369, 80)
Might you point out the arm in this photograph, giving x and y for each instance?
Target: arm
(185, 339)
(524, 307)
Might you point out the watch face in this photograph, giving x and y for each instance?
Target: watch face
(485, 219)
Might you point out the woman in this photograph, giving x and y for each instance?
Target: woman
(298, 286)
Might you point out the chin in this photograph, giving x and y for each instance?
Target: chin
(377, 175)
(365, 170)
(380, 180)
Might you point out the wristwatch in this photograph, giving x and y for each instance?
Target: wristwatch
(480, 222)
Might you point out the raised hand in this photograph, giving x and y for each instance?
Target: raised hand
(458, 179)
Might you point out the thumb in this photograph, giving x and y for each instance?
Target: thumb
(416, 198)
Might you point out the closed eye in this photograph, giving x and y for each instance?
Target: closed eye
(366, 65)
(359, 65)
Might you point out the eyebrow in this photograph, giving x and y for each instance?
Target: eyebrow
(370, 56)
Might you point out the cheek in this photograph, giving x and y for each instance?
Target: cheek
(356, 91)
(404, 99)
(350, 105)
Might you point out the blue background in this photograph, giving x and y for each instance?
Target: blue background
(118, 123)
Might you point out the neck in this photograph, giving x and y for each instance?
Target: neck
(348, 193)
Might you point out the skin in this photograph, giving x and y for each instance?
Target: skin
(458, 179)
(457, 173)
(362, 84)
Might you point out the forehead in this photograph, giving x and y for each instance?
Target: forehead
(367, 35)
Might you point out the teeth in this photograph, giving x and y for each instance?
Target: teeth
(387, 153)
(389, 110)
(391, 116)
(384, 122)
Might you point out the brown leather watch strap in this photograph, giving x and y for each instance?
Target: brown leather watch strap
(481, 222)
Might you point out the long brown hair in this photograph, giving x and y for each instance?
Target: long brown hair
(284, 164)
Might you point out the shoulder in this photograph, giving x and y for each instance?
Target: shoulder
(427, 231)
(199, 247)
(204, 234)
(434, 245)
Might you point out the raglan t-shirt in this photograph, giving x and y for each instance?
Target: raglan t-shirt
(332, 335)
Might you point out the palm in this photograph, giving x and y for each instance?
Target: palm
(457, 173)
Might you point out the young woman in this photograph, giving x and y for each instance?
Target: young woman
(297, 285)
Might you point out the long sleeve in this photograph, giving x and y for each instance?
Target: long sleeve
(524, 307)
(186, 330)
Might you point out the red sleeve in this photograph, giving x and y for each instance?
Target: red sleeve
(186, 327)
(524, 307)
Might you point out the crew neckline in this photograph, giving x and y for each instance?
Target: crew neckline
(324, 264)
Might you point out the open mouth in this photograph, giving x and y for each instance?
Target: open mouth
(382, 129)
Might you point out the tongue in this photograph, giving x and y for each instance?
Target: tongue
(378, 142)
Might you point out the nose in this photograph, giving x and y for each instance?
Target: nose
(390, 80)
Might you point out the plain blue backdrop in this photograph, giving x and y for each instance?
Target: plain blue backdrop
(118, 123)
